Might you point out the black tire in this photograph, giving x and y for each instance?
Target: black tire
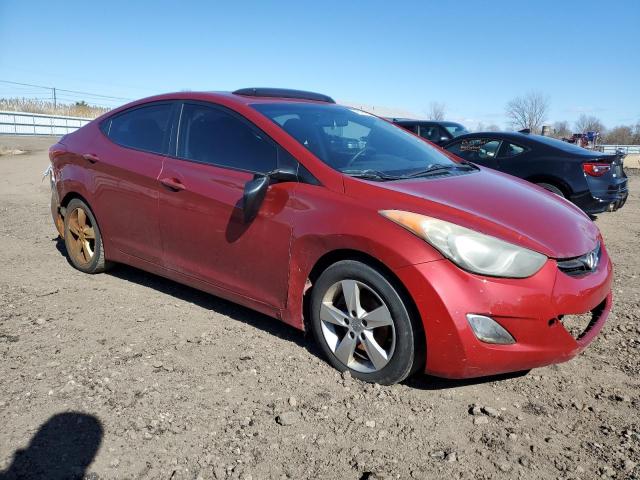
(96, 263)
(551, 188)
(408, 351)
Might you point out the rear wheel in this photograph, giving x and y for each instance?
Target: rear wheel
(551, 188)
(362, 324)
(82, 238)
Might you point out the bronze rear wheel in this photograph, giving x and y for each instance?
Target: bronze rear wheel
(82, 238)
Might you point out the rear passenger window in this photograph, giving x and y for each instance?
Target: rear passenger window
(142, 128)
(510, 150)
(212, 135)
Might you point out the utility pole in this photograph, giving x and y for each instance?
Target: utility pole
(54, 97)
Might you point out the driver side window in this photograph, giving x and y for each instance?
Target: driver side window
(211, 135)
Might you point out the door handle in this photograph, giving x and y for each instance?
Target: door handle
(172, 183)
(91, 157)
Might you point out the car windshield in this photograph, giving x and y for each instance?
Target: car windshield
(357, 143)
(455, 129)
(564, 146)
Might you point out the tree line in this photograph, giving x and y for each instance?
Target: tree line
(531, 111)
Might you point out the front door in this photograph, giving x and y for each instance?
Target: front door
(201, 217)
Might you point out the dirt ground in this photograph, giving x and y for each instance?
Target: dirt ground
(128, 375)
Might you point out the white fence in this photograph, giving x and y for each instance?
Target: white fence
(22, 123)
(624, 148)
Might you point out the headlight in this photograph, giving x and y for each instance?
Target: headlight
(469, 249)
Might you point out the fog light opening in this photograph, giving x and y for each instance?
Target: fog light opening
(487, 330)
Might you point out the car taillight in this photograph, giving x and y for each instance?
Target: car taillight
(596, 169)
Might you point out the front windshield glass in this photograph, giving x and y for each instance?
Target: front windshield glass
(455, 129)
(356, 143)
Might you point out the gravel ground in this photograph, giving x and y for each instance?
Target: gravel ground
(128, 375)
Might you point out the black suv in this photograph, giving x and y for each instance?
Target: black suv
(594, 181)
(437, 132)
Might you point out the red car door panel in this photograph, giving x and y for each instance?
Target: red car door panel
(204, 235)
(127, 191)
(127, 158)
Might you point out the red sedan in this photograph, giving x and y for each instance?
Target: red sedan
(398, 256)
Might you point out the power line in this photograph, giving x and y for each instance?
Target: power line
(97, 95)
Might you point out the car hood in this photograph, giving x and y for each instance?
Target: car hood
(495, 204)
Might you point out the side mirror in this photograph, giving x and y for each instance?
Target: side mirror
(254, 193)
(444, 139)
(256, 189)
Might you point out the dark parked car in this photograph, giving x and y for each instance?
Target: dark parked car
(594, 181)
(436, 132)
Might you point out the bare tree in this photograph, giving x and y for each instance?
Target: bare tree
(589, 123)
(561, 129)
(528, 111)
(621, 135)
(492, 127)
(436, 111)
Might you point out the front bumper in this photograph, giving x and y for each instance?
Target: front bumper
(531, 309)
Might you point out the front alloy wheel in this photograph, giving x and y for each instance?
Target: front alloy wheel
(362, 324)
(357, 326)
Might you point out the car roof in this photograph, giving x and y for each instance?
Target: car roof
(501, 135)
(421, 122)
(245, 96)
(239, 98)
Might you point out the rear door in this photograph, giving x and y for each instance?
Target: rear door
(201, 220)
(127, 160)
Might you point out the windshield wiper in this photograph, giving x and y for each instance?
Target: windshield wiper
(435, 169)
(370, 174)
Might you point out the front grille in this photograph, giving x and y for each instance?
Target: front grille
(581, 265)
(579, 325)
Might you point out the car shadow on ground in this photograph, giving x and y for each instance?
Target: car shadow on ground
(62, 448)
(206, 301)
(266, 323)
(429, 382)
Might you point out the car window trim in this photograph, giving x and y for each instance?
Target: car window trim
(166, 138)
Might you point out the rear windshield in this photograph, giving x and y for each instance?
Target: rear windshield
(352, 141)
(455, 129)
(564, 146)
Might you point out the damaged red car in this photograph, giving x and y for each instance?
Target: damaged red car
(398, 256)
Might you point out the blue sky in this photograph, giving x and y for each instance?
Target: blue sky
(473, 56)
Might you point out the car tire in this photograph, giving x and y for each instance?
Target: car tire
(385, 345)
(82, 238)
(551, 188)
